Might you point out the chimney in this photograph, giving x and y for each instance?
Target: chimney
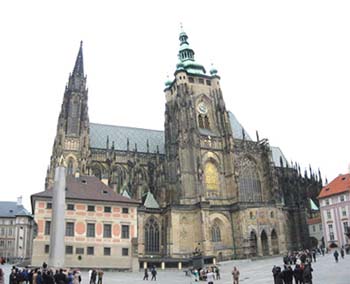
(19, 200)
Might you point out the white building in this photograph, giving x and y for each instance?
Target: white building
(335, 207)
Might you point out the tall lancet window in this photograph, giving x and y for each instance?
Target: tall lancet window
(152, 235)
(211, 176)
(70, 167)
(249, 182)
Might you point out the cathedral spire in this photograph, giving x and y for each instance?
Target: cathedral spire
(186, 56)
(79, 62)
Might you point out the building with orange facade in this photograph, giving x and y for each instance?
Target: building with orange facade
(100, 225)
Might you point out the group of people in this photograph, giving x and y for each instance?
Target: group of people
(95, 275)
(302, 272)
(208, 274)
(43, 276)
(153, 273)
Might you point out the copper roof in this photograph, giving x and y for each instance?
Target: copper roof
(339, 185)
(88, 188)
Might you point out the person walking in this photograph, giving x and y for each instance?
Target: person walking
(154, 273)
(210, 276)
(298, 274)
(145, 277)
(100, 276)
(336, 255)
(307, 274)
(235, 275)
(93, 277)
(342, 252)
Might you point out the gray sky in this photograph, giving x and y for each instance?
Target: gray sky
(284, 67)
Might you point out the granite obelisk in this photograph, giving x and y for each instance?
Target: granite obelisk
(57, 248)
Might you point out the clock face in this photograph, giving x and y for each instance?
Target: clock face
(202, 108)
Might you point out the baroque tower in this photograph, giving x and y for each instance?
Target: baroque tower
(198, 135)
(72, 136)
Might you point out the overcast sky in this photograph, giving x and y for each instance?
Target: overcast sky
(284, 67)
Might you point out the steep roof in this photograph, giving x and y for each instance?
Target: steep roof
(88, 188)
(120, 135)
(339, 185)
(12, 209)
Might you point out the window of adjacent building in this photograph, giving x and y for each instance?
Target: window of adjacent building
(9, 232)
(346, 227)
(70, 206)
(79, 251)
(47, 227)
(90, 231)
(106, 251)
(9, 244)
(272, 215)
(331, 233)
(70, 229)
(343, 211)
(90, 250)
(251, 215)
(190, 79)
(125, 210)
(107, 230)
(125, 251)
(48, 205)
(47, 248)
(208, 82)
(201, 81)
(342, 198)
(2, 231)
(327, 201)
(2, 243)
(320, 227)
(69, 249)
(108, 209)
(313, 228)
(125, 231)
(329, 215)
(91, 208)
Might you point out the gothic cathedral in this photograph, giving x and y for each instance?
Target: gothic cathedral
(205, 186)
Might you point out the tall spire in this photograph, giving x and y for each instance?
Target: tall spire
(79, 62)
(186, 56)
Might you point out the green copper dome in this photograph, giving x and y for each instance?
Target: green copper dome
(186, 57)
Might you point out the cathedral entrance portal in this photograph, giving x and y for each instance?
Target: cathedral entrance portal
(253, 244)
(264, 243)
(274, 242)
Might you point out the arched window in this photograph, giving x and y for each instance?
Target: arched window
(200, 121)
(249, 182)
(211, 176)
(70, 167)
(215, 233)
(152, 236)
(206, 122)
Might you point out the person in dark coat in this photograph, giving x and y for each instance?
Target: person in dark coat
(274, 273)
(145, 277)
(287, 274)
(336, 255)
(298, 274)
(307, 274)
(342, 253)
(154, 273)
(279, 275)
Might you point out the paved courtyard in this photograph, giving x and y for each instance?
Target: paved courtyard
(326, 271)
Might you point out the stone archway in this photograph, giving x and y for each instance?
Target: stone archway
(264, 243)
(253, 244)
(274, 242)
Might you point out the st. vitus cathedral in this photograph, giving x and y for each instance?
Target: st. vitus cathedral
(205, 186)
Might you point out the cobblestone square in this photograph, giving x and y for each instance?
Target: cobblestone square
(326, 271)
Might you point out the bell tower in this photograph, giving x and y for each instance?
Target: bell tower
(198, 134)
(72, 136)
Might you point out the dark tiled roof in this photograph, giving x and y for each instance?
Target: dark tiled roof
(88, 188)
(120, 134)
(339, 185)
(11, 209)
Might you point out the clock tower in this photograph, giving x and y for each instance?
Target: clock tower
(198, 134)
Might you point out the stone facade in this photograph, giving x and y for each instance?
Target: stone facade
(218, 193)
